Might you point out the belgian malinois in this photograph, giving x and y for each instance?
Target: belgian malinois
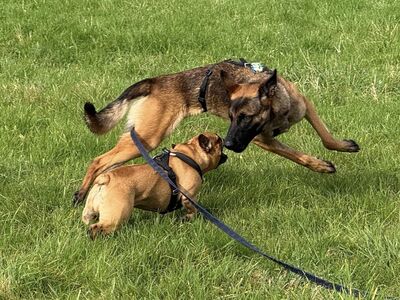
(259, 104)
(114, 194)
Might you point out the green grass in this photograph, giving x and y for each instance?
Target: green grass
(344, 55)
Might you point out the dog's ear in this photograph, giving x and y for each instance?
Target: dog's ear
(269, 86)
(205, 143)
(228, 81)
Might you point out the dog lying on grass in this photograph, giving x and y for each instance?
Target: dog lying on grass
(114, 194)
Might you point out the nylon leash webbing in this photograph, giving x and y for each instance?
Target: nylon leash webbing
(234, 235)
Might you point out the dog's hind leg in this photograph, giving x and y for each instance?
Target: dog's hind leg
(313, 163)
(152, 124)
(327, 139)
(112, 213)
(122, 152)
(91, 211)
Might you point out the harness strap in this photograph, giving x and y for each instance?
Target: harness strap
(234, 235)
(203, 90)
(189, 161)
(163, 161)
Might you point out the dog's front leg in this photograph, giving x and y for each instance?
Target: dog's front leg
(190, 209)
(313, 163)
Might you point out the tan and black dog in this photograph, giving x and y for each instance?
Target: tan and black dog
(260, 106)
(115, 193)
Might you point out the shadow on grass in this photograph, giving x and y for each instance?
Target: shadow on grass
(226, 190)
(283, 185)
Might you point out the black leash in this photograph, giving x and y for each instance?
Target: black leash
(234, 235)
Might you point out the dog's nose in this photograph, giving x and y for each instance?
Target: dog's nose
(228, 143)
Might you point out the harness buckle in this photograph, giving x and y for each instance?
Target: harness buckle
(209, 72)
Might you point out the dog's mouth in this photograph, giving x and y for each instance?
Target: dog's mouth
(223, 158)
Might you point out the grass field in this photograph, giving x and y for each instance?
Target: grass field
(344, 55)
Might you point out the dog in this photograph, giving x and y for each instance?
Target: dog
(114, 194)
(259, 104)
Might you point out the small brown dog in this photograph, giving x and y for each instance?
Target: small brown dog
(114, 194)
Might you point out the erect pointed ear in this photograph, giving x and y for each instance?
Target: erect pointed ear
(269, 86)
(228, 81)
(204, 143)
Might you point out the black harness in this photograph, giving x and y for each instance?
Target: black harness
(204, 85)
(163, 161)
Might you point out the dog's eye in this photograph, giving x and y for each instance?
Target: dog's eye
(244, 118)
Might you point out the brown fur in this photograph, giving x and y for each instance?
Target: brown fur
(114, 194)
(156, 106)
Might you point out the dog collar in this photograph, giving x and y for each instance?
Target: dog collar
(203, 90)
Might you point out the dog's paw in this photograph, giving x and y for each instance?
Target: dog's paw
(187, 218)
(321, 166)
(77, 198)
(351, 146)
(94, 231)
(329, 167)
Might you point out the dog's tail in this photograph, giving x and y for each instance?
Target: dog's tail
(103, 121)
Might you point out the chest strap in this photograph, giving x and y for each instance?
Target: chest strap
(163, 161)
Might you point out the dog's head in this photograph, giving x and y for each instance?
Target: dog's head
(250, 109)
(208, 149)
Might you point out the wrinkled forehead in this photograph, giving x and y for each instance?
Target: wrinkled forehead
(246, 105)
(213, 137)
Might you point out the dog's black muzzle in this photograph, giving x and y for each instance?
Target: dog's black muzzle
(239, 137)
(222, 159)
(235, 147)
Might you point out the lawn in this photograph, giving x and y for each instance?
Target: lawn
(343, 55)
